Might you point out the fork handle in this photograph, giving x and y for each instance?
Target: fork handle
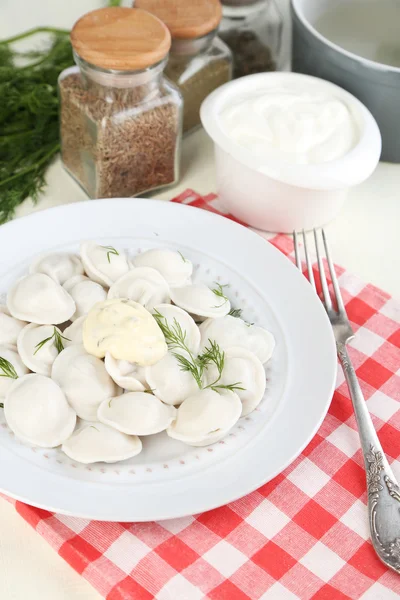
(383, 490)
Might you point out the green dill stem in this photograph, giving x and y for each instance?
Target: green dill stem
(46, 157)
(33, 31)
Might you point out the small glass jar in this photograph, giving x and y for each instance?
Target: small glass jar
(198, 67)
(199, 61)
(120, 129)
(253, 31)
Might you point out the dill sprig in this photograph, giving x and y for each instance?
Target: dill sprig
(214, 355)
(235, 312)
(219, 292)
(57, 338)
(185, 260)
(7, 369)
(110, 250)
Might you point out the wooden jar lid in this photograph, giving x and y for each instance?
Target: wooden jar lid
(185, 19)
(124, 39)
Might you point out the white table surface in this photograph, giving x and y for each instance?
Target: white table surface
(365, 239)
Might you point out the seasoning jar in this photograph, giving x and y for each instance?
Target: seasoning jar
(253, 31)
(121, 119)
(199, 61)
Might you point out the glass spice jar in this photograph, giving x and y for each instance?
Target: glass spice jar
(121, 119)
(253, 31)
(199, 61)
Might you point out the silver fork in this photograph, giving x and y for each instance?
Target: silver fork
(383, 490)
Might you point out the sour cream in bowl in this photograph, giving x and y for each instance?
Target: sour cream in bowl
(288, 147)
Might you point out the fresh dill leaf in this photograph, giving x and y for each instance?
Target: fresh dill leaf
(7, 369)
(214, 355)
(57, 337)
(114, 2)
(191, 366)
(235, 312)
(182, 257)
(93, 427)
(110, 250)
(148, 391)
(109, 402)
(219, 292)
(233, 387)
(1, 405)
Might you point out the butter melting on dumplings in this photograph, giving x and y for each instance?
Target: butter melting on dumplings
(206, 417)
(85, 293)
(136, 413)
(143, 285)
(230, 331)
(60, 266)
(84, 380)
(39, 299)
(103, 264)
(173, 266)
(94, 442)
(37, 353)
(200, 300)
(37, 411)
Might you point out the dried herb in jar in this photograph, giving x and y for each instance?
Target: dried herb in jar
(250, 54)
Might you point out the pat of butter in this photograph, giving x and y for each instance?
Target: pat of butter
(126, 330)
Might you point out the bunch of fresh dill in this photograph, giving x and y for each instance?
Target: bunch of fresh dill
(29, 124)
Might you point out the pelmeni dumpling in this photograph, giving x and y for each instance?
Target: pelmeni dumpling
(173, 266)
(73, 334)
(173, 316)
(244, 369)
(95, 442)
(60, 266)
(200, 300)
(39, 299)
(9, 354)
(206, 417)
(143, 285)
(37, 411)
(85, 293)
(136, 413)
(10, 327)
(127, 375)
(36, 355)
(230, 331)
(168, 382)
(84, 380)
(103, 264)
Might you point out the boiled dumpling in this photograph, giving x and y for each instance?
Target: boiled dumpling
(85, 293)
(143, 285)
(127, 375)
(39, 299)
(74, 332)
(206, 417)
(95, 442)
(169, 382)
(84, 380)
(231, 331)
(9, 327)
(103, 264)
(39, 346)
(10, 372)
(244, 369)
(136, 413)
(173, 266)
(200, 300)
(175, 318)
(60, 266)
(37, 411)
(126, 330)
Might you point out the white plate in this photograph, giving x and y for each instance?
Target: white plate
(169, 479)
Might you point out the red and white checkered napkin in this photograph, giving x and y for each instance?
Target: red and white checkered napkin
(303, 535)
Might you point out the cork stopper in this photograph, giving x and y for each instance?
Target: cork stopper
(186, 19)
(122, 39)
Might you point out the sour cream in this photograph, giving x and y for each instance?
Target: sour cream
(126, 330)
(292, 123)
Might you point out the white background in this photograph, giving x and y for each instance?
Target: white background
(365, 239)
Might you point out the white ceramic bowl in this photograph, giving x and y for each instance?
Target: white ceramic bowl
(283, 197)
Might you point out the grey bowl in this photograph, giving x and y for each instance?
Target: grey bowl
(375, 84)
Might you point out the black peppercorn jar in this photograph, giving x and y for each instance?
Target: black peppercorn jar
(253, 31)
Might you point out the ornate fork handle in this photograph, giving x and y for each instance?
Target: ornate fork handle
(383, 490)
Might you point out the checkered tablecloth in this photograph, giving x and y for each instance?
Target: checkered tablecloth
(303, 535)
